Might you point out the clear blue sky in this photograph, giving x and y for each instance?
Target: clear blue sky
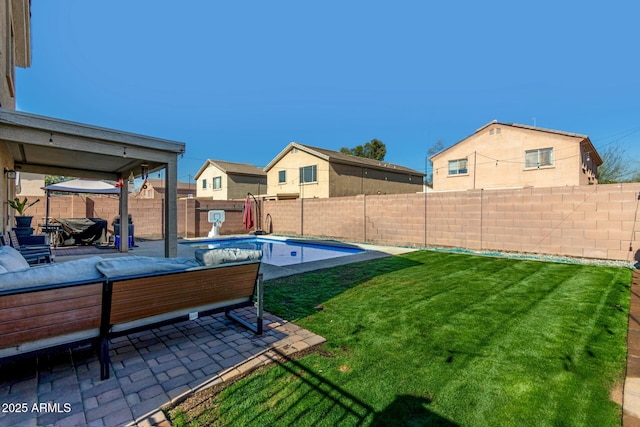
(238, 81)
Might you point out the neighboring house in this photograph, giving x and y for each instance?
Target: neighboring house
(502, 155)
(155, 189)
(307, 172)
(219, 180)
(29, 184)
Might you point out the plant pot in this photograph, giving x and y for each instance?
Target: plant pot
(23, 221)
(23, 231)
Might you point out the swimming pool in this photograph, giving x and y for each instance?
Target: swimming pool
(281, 252)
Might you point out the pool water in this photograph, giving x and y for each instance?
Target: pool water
(280, 252)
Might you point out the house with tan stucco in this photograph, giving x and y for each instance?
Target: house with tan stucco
(501, 155)
(221, 180)
(302, 171)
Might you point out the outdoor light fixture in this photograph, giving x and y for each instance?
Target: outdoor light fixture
(50, 139)
(11, 174)
(144, 170)
(124, 152)
(132, 178)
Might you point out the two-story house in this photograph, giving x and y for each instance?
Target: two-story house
(502, 155)
(221, 180)
(307, 172)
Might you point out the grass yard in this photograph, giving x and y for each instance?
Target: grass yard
(432, 338)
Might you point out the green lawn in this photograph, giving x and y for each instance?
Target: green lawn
(434, 338)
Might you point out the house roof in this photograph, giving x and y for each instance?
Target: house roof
(338, 157)
(158, 184)
(584, 139)
(231, 168)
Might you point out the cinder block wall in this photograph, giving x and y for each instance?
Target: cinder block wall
(600, 221)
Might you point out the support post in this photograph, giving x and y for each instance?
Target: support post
(171, 209)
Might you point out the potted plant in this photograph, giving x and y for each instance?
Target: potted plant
(22, 221)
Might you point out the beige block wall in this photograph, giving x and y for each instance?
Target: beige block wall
(498, 160)
(599, 221)
(291, 163)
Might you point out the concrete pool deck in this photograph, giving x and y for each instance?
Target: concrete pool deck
(156, 367)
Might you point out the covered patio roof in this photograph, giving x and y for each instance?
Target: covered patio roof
(51, 146)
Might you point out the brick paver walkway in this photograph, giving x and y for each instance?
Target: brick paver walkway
(149, 370)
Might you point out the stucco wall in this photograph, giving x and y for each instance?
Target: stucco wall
(350, 180)
(291, 163)
(240, 185)
(496, 158)
(208, 192)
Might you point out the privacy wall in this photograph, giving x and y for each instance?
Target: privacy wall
(599, 221)
(595, 221)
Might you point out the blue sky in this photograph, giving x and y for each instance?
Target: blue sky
(238, 81)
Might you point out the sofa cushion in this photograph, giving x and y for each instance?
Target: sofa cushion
(11, 259)
(226, 256)
(79, 270)
(141, 265)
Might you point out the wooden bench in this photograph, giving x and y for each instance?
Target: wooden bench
(138, 303)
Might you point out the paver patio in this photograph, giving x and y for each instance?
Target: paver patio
(150, 369)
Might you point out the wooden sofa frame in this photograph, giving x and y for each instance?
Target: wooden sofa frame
(139, 302)
(48, 318)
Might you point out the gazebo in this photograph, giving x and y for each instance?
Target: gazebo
(51, 146)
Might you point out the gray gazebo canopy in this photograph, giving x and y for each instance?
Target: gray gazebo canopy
(56, 147)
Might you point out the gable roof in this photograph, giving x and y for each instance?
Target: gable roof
(584, 138)
(158, 184)
(338, 157)
(231, 168)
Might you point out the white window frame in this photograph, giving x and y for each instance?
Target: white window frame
(217, 183)
(204, 184)
(538, 158)
(282, 176)
(314, 174)
(457, 169)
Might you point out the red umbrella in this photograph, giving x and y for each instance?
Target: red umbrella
(247, 217)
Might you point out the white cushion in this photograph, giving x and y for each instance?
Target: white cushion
(226, 256)
(11, 259)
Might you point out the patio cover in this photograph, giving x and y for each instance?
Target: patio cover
(52, 146)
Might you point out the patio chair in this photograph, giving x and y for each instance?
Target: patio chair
(34, 254)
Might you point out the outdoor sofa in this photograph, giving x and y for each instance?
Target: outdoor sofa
(91, 300)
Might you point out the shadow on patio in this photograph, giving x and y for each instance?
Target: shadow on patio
(150, 369)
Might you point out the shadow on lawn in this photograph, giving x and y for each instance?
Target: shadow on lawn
(323, 401)
(301, 295)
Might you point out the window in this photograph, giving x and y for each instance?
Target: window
(458, 167)
(308, 174)
(282, 177)
(538, 158)
(217, 183)
(204, 184)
